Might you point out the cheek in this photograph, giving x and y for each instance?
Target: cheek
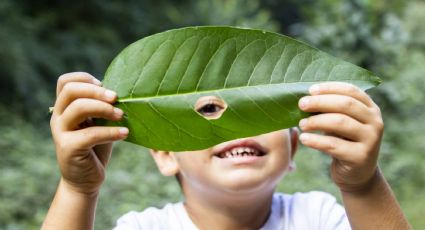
(278, 141)
(192, 164)
(279, 144)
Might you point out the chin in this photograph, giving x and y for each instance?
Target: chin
(242, 182)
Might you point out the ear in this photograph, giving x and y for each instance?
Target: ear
(166, 162)
(294, 132)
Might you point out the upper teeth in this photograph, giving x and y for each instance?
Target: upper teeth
(240, 151)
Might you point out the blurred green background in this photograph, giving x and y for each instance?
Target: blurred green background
(39, 40)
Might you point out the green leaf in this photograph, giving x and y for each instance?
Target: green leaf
(259, 75)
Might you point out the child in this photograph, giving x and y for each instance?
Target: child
(230, 185)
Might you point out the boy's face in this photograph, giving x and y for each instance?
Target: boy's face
(238, 166)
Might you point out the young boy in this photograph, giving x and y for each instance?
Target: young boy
(230, 185)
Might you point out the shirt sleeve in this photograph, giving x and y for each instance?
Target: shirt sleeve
(140, 221)
(332, 214)
(323, 211)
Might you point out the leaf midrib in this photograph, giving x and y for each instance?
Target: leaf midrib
(135, 99)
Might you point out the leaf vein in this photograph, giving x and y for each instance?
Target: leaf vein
(190, 62)
(171, 61)
(143, 69)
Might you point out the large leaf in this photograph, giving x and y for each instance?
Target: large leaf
(259, 75)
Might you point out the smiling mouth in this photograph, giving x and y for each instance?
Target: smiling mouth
(241, 152)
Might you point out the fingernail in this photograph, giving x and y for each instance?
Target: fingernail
(314, 89)
(304, 137)
(97, 82)
(118, 112)
(303, 103)
(123, 131)
(110, 94)
(302, 123)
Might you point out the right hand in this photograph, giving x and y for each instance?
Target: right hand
(83, 150)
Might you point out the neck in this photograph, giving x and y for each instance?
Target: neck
(233, 211)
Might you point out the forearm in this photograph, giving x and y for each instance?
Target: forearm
(70, 210)
(375, 207)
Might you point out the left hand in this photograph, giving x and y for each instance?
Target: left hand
(352, 129)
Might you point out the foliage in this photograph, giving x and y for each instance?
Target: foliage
(252, 74)
(28, 171)
(46, 38)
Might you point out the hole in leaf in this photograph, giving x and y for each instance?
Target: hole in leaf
(210, 107)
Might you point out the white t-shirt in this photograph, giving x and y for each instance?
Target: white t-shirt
(309, 211)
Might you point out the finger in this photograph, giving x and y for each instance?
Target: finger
(97, 135)
(82, 109)
(75, 77)
(74, 90)
(336, 147)
(336, 123)
(342, 88)
(331, 103)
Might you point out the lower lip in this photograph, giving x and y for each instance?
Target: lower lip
(245, 160)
